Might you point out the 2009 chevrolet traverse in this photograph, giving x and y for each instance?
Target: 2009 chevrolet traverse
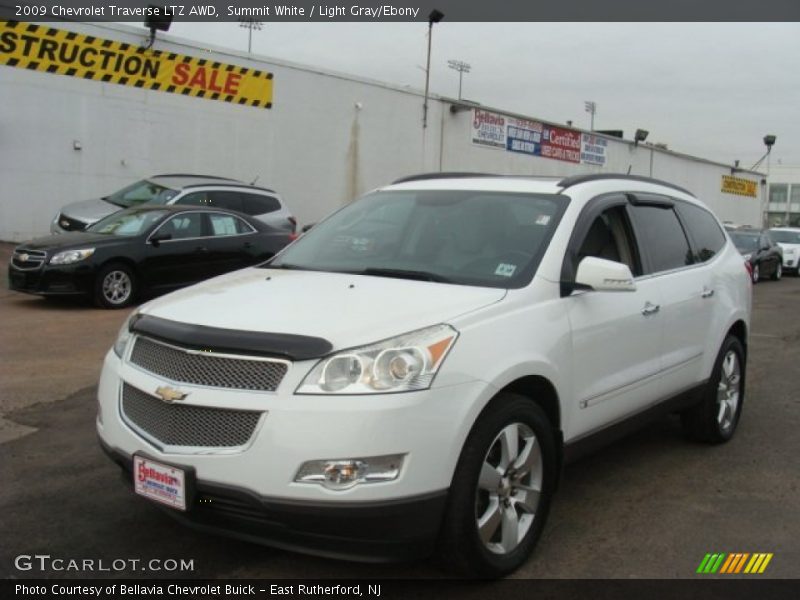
(409, 376)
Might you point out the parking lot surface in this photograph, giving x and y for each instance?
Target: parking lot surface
(649, 506)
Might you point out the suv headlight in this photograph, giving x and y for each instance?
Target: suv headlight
(71, 256)
(124, 335)
(400, 364)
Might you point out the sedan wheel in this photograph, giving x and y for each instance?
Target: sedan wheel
(778, 272)
(115, 286)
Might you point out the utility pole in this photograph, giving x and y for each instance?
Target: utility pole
(434, 17)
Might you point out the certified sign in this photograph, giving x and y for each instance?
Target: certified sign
(159, 482)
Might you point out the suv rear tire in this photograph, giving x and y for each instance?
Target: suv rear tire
(501, 490)
(715, 417)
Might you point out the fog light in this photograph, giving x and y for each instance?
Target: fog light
(342, 474)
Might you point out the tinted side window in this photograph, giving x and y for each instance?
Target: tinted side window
(227, 225)
(662, 236)
(704, 231)
(259, 205)
(188, 225)
(228, 200)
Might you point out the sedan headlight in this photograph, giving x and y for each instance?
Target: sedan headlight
(404, 363)
(71, 256)
(747, 256)
(124, 335)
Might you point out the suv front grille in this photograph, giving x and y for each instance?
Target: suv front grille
(69, 224)
(207, 368)
(28, 260)
(186, 425)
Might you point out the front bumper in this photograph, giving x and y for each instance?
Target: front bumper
(370, 532)
(49, 280)
(250, 492)
(791, 262)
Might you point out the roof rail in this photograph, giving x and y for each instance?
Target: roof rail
(440, 175)
(576, 179)
(233, 184)
(192, 175)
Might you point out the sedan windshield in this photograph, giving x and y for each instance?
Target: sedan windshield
(127, 222)
(141, 192)
(783, 236)
(493, 239)
(745, 242)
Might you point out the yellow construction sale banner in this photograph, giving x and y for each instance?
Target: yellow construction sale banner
(42, 48)
(739, 186)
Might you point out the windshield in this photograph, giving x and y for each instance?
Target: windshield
(127, 223)
(493, 239)
(745, 242)
(141, 192)
(785, 237)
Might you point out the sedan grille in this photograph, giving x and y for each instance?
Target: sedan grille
(207, 368)
(186, 425)
(28, 260)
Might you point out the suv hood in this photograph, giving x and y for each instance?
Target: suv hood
(347, 310)
(90, 211)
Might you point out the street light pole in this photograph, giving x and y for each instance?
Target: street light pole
(250, 24)
(461, 67)
(591, 108)
(434, 17)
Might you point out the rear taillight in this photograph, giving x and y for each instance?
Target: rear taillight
(293, 236)
(293, 221)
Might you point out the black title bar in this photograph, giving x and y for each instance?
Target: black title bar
(403, 10)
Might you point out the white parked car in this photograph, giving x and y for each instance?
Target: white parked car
(788, 238)
(412, 373)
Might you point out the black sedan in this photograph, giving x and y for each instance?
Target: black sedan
(142, 250)
(764, 255)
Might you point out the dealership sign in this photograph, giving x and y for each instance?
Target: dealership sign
(50, 50)
(739, 186)
(536, 138)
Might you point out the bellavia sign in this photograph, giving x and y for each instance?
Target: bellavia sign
(41, 48)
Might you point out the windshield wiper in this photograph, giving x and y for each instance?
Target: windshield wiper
(404, 274)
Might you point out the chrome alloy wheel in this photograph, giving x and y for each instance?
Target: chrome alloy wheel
(509, 486)
(117, 287)
(728, 390)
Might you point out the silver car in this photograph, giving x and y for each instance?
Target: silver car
(194, 190)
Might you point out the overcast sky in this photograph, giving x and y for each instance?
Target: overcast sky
(708, 89)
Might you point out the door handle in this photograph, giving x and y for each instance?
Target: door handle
(650, 309)
(248, 245)
(201, 249)
(707, 293)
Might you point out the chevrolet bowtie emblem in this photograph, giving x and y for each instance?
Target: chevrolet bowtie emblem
(169, 394)
(23, 257)
(64, 224)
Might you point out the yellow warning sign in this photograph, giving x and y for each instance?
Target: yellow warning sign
(43, 48)
(739, 186)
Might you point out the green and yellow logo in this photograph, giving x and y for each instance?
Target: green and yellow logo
(737, 562)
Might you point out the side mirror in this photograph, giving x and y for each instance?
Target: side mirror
(603, 275)
(160, 237)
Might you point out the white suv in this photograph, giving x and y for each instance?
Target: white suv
(412, 373)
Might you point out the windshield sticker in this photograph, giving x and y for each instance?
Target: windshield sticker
(505, 270)
(542, 219)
